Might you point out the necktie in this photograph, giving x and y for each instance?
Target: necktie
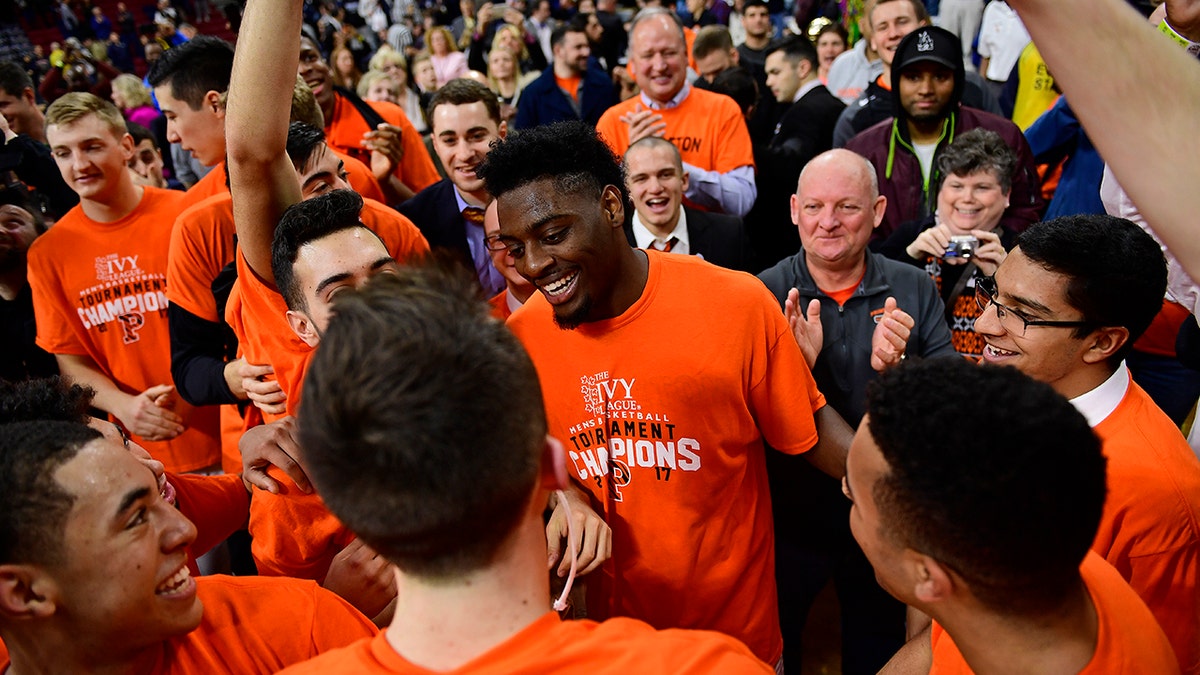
(666, 248)
(473, 214)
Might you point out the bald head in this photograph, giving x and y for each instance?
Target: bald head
(850, 165)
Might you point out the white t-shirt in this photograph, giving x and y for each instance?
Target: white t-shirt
(1002, 36)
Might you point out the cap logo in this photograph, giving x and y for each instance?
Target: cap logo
(924, 42)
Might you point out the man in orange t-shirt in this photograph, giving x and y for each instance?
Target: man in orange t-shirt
(707, 127)
(293, 256)
(467, 541)
(98, 279)
(390, 144)
(110, 559)
(668, 442)
(1014, 588)
(1095, 283)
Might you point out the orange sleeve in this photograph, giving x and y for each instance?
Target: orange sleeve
(401, 237)
(213, 183)
(54, 326)
(360, 177)
(781, 382)
(201, 245)
(217, 505)
(612, 130)
(336, 623)
(416, 168)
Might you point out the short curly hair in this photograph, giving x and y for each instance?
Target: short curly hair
(571, 153)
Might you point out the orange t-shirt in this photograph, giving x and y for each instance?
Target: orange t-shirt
(663, 411)
(551, 646)
(294, 534)
(707, 128)
(344, 130)
(1128, 640)
(499, 304)
(359, 176)
(1150, 530)
(100, 290)
(213, 183)
(1159, 337)
(570, 85)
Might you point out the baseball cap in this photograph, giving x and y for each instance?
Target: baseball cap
(929, 43)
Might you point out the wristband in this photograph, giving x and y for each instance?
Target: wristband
(1192, 48)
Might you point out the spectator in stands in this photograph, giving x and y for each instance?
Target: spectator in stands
(506, 80)
(147, 161)
(394, 64)
(20, 356)
(572, 87)
(18, 102)
(448, 62)
(831, 42)
(345, 72)
(132, 98)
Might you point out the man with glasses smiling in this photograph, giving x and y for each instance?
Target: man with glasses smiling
(1064, 308)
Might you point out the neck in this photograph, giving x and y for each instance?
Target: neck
(838, 275)
(12, 280)
(926, 132)
(36, 129)
(635, 272)
(478, 198)
(1062, 641)
(757, 42)
(565, 70)
(55, 651)
(1083, 379)
(441, 625)
(521, 292)
(121, 202)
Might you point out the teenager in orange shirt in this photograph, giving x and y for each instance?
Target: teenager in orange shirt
(1065, 307)
(664, 423)
(389, 143)
(98, 279)
(95, 574)
(1010, 588)
(468, 538)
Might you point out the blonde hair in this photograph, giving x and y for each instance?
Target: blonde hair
(72, 107)
(386, 56)
(516, 34)
(451, 46)
(132, 90)
(304, 105)
(370, 77)
(515, 78)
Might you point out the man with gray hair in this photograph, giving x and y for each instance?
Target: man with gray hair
(854, 314)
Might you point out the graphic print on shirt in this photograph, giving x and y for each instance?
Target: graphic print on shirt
(622, 439)
(124, 294)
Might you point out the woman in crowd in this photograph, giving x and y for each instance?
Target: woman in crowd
(506, 79)
(345, 72)
(830, 41)
(448, 62)
(393, 64)
(963, 236)
(133, 98)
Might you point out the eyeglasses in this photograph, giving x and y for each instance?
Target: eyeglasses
(493, 243)
(1013, 322)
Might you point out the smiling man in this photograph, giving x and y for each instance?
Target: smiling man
(656, 182)
(665, 437)
(94, 577)
(1064, 308)
(927, 87)
(106, 319)
(465, 118)
(1011, 589)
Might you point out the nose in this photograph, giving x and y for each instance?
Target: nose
(172, 132)
(177, 531)
(988, 322)
(535, 261)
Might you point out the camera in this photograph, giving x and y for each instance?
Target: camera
(962, 247)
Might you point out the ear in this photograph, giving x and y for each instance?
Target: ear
(303, 327)
(932, 582)
(735, 55)
(613, 206)
(26, 592)
(1104, 343)
(795, 202)
(212, 99)
(127, 145)
(880, 209)
(554, 465)
(502, 129)
(686, 179)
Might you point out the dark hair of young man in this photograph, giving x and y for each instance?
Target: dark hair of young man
(422, 423)
(13, 78)
(991, 473)
(462, 91)
(305, 222)
(577, 24)
(570, 152)
(194, 68)
(1117, 273)
(796, 49)
(47, 398)
(33, 506)
(302, 143)
(710, 39)
(738, 85)
(141, 133)
(975, 151)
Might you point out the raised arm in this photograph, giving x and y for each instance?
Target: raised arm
(262, 180)
(1149, 137)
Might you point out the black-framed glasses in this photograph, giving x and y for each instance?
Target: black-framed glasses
(1014, 322)
(494, 243)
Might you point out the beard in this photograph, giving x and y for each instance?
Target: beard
(572, 320)
(11, 259)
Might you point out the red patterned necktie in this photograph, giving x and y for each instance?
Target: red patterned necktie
(473, 214)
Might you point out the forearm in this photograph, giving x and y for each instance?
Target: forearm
(833, 442)
(1118, 50)
(731, 192)
(83, 370)
(198, 358)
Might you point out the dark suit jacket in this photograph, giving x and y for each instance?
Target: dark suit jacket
(542, 102)
(716, 237)
(434, 211)
(805, 130)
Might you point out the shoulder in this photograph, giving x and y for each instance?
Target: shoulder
(782, 276)
(970, 118)
(872, 139)
(674, 650)
(357, 658)
(614, 113)
(426, 199)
